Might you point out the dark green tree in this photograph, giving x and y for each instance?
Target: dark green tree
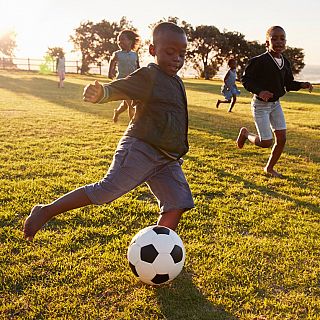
(55, 52)
(106, 37)
(97, 41)
(84, 41)
(204, 53)
(296, 57)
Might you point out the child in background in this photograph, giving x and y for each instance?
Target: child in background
(151, 148)
(125, 61)
(61, 69)
(269, 76)
(229, 89)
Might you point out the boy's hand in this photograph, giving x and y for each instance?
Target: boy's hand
(93, 92)
(307, 85)
(265, 95)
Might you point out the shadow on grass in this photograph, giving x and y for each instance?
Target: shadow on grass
(202, 119)
(214, 87)
(249, 185)
(46, 89)
(183, 300)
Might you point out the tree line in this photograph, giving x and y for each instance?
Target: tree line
(209, 48)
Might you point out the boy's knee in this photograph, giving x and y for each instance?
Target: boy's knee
(266, 143)
(281, 141)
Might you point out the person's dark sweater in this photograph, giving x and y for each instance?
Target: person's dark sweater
(161, 117)
(263, 74)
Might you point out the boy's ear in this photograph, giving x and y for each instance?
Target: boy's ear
(152, 50)
(267, 43)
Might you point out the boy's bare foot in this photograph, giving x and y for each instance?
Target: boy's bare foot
(273, 173)
(115, 115)
(242, 137)
(217, 104)
(34, 222)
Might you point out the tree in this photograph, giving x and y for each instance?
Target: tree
(8, 44)
(204, 52)
(83, 41)
(55, 52)
(106, 37)
(97, 42)
(295, 56)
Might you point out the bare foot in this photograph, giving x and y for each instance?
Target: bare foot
(273, 173)
(242, 137)
(115, 115)
(34, 222)
(217, 104)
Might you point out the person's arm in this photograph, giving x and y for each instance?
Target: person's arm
(137, 86)
(112, 67)
(250, 75)
(226, 78)
(307, 85)
(250, 81)
(138, 63)
(291, 84)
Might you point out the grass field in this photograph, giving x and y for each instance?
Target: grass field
(252, 242)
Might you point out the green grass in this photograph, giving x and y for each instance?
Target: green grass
(252, 242)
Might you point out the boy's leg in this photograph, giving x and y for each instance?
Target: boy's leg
(261, 114)
(244, 134)
(276, 152)
(41, 214)
(172, 191)
(278, 123)
(170, 218)
(130, 167)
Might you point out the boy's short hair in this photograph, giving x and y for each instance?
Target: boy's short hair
(271, 29)
(165, 27)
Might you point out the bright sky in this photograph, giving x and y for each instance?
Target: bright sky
(40, 24)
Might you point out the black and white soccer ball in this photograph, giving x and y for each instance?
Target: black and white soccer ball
(156, 255)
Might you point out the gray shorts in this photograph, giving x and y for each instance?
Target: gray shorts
(135, 162)
(268, 117)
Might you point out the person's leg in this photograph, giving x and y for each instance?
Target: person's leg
(222, 101)
(244, 134)
(122, 107)
(233, 101)
(170, 218)
(261, 113)
(173, 193)
(128, 169)
(278, 124)
(41, 214)
(276, 152)
(131, 109)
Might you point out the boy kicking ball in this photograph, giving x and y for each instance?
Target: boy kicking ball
(151, 148)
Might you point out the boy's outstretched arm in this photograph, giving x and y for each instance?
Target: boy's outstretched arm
(93, 92)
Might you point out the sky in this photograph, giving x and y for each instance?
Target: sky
(40, 24)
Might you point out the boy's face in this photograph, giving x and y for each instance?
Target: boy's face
(169, 51)
(276, 42)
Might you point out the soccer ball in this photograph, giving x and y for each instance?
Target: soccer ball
(156, 255)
